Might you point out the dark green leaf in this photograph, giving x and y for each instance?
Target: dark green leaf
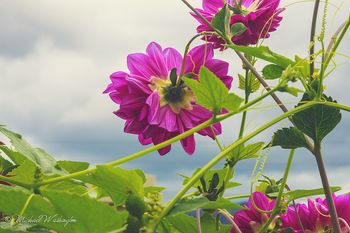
(272, 71)
(221, 20)
(264, 52)
(238, 29)
(289, 138)
(317, 121)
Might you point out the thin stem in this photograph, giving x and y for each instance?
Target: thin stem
(246, 99)
(312, 37)
(320, 85)
(222, 155)
(327, 190)
(277, 207)
(230, 220)
(198, 216)
(187, 48)
(238, 196)
(216, 138)
(337, 43)
(156, 147)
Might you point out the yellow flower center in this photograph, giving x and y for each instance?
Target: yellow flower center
(176, 96)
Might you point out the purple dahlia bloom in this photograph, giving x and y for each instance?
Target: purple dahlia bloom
(300, 219)
(250, 220)
(152, 106)
(260, 17)
(342, 204)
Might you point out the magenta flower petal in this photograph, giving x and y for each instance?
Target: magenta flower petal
(259, 16)
(149, 109)
(250, 220)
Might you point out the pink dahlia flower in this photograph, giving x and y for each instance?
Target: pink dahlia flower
(342, 204)
(300, 219)
(152, 105)
(250, 219)
(260, 17)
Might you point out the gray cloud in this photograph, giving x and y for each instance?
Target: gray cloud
(56, 56)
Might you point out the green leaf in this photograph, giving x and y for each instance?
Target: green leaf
(232, 102)
(42, 159)
(183, 223)
(208, 224)
(221, 20)
(208, 177)
(289, 138)
(73, 166)
(69, 186)
(16, 157)
(272, 71)
(117, 182)
(291, 90)
(238, 29)
(186, 205)
(253, 83)
(317, 121)
(24, 173)
(13, 199)
(211, 92)
(89, 214)
(302, 193)
(153, 189)
(264, 52)
(246, 152)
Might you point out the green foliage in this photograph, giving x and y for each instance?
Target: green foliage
(24, 173)
(272, 71)
(187, 205)
(302, 193)
(24, 151)
(183, 223)
(135, 206)
(253, 83)
(221, 20)
(117, 182)
(264, 53)
(318, 121)
(289, 138)
(89, 214)
(245, 152)
(238, 29)
(212, 93)
(73, 166)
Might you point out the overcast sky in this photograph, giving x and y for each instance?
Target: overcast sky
(56, 56)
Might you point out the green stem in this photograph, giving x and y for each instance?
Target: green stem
(337, 43)
(238, 196)
(246, 99)
(222, 155)
(328, 192)
(156, 147)
(277, 208)
(320, 84)
(312, 37)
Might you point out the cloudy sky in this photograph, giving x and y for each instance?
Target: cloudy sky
(56, 56)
